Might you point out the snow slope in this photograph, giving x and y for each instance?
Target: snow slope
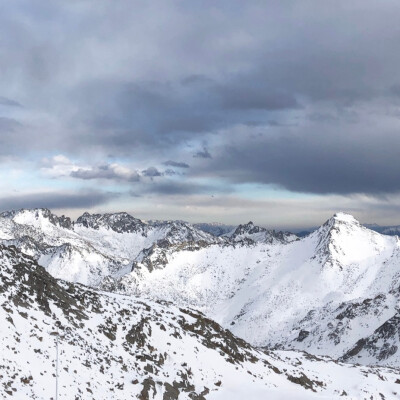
(285, 294)
(119, 347)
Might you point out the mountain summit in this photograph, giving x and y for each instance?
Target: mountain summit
(256, 233)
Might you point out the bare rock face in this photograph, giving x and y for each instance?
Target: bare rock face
(256, 234)
(119, 222)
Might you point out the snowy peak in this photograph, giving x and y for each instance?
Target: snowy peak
(181, 232)
(248, 228)
(343, 240)
(344, 217)
(256, 233)
(118, 222)
(339, 223)
(37, 217)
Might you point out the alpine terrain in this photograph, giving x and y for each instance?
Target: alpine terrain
(166, 310)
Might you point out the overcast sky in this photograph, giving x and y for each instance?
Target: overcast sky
(281, 112)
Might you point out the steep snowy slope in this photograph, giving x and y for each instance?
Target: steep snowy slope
(117, 347)
(288, 295)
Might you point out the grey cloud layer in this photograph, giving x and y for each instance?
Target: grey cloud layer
(105, 172)
(56, 200)
(176, 164)
(317, 159)
(158, 80)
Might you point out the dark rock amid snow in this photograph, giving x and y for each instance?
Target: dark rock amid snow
(118, 222)
(215, 228)
(256, 233)
(381, 345)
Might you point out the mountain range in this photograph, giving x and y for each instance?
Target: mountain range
(134, 298)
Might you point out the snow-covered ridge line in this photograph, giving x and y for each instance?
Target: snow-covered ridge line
(96, 246)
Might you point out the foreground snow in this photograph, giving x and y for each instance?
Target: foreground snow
(119, 347)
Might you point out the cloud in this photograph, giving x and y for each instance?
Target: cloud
(60, 166)
(170, 172)
(270, 64)
(56, 200)
(321, 158)
(151, 172)
(4, 101)
(255, 96)
(107, 171)
(176, 164)
(202, 154)
(9, 125)
(173, 188)
(242, 85)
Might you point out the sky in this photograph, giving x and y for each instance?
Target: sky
(281, 112)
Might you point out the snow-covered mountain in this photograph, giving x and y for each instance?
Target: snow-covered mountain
(121, 347)
(335, 292)
(323, 293)
(97, 246)
(93, 247)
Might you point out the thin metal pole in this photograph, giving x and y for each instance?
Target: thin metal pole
(57, 365)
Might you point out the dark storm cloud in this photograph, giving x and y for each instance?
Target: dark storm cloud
(155, 115)
(157, 80)
(176, 164)
(326, 161)
(202, 154)
(55, 200)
